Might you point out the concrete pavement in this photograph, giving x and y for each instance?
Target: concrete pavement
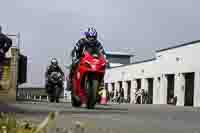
(122, 118)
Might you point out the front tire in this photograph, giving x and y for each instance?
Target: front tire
(91, 87)
(52, 99)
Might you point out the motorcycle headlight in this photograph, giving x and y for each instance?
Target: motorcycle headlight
(93, 66)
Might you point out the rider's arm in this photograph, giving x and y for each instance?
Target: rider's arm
(78, 49)
(47, 72)
(75, 52)
(103, 51)
(100, 47)
(61, 71)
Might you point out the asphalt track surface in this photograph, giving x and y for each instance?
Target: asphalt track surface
(124, 118)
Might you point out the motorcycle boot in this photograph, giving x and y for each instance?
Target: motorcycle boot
(69, 88)
(72, 71)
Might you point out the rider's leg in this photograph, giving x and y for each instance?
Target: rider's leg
(72, 69)
(69, 83)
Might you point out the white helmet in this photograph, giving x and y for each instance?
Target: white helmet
(54, 62)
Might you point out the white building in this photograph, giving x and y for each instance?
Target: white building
(174, 71)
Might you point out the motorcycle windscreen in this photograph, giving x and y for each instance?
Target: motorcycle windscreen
(94, 52)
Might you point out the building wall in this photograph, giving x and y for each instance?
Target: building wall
(180, 59)
(141, 70)
(177, 61)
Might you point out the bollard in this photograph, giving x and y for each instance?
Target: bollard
(34, 98)
(47, 98)
(40, 98)
(104, 97)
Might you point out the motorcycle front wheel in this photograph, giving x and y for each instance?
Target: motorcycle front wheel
(91, 86)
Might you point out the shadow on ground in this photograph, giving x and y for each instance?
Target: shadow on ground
(7, 108)
(108, 109)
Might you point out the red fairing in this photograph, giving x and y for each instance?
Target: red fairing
(87, 64)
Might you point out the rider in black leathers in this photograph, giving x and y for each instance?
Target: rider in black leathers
(54, 67)
(89, 41)
(5, 44)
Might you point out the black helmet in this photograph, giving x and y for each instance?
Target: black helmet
(54, 62)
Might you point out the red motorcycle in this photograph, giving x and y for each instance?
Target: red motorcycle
(87, 78)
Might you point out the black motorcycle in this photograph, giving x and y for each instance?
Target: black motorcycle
(55, 86)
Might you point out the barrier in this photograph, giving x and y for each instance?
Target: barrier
(104, 97)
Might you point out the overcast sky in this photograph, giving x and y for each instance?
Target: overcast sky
(50, 28)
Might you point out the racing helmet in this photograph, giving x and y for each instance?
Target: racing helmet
(54, 62)
(91, 33)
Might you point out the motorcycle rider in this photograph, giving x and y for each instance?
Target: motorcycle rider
(53, 67)
(90, 40)
(5, 44)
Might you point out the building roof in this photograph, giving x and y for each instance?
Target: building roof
(138, 62)
(115, 64)
(30, 85)
(119, 53)
(160, 50)
(178, 46)
(12, 34)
